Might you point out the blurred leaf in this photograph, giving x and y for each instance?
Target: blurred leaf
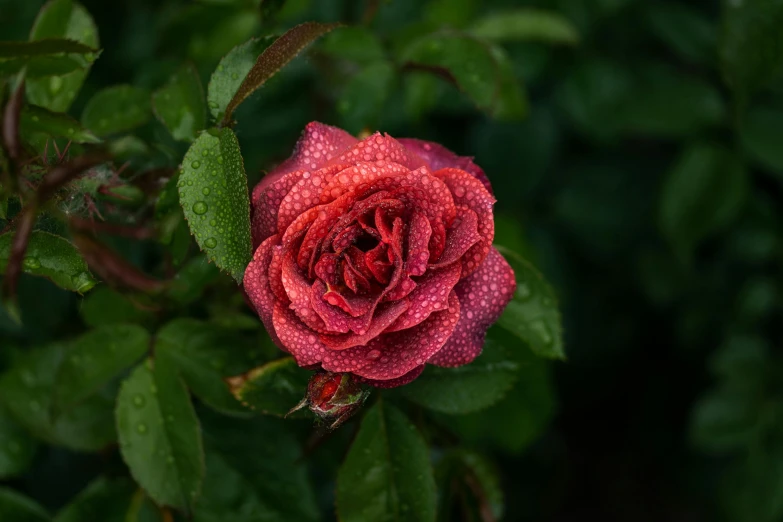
(54, 124)
(15, 507)
(17, 448)
(468, 388)
(230, 73)
(52, 257)
(49, 57)
(363, 98)
(526, 24)
(455, 13)
(388, 455)
(103, 499)
(189, 283)
(205, 354)
(704, 191)
(273, 388)
(61, 19)
(104, 306)
(159, 434)
(27, 392)
(240, 463)
(760, 132)
(724, 420)
(422, 91)
(274, 58)
(94, 359)
(356, 44)
(750, 491)
(179, 104)
(520, 417)
(480, 70)
(117, 109)
(742, 362)
(751, 44)
(213, 194)
(533, 315)
(689, 33)
(465, 475)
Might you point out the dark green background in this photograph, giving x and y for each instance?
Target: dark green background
(644, 182)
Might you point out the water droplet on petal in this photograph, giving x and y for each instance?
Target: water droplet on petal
(373, 354)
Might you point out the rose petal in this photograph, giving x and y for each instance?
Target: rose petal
(360, 175)
(354, 279)
(431, 294)
(392, 355)
(257, 288)
(353, 305)
(483, 295)
(439, 157)
(419, 233)
(394, 383)
(265, 204)
(336, 319)
(469, 192)
(304, 194)
(299, 340)
(297, 288)
(327, 269)
(462, 235)
(347, 237)
(317, 145)
(384, 317)
(380, 148)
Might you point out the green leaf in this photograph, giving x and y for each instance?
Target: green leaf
(49, 57)
(179, 104)
(15, 507)
(468, 388)
(205, 354)
(95, 358)
(527, 25)
(52, 257)
(532, 315)
(250, 480)
(213, 194)
(482, 71)
(160, 437)
(751, 44)
(725, 420)
(357, 44)
(749, 491)
(516, 421)
(103, 499)
(189, 283)
(117, 109)
(760, 132)
(104, 306)
(684, 29)
(55, 124)
(274, 58)
(17, 448)
(27, 391)
(364, 97)
(704, 192)
(273, 388)
(230, 73)
(61, 19)
(387, 475)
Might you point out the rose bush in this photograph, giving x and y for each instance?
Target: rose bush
(374, 256)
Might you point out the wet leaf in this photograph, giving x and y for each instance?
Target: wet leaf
(117, 109)
(15, 507)
(179, 104)
(17, 448)
(526, 24)
(54, 124)
(103, 499)
(273, 388)
(49, 57)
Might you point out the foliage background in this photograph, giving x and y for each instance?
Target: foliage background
(644, 181)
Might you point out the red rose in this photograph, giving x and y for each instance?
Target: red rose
(375, 257)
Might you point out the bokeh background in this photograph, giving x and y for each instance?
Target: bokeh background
(641, 171)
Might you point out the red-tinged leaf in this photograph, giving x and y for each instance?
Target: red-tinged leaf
(274, 57)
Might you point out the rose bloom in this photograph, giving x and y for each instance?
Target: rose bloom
(374, 257)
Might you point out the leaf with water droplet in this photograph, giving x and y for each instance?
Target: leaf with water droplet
(194, 346)
(142, 432)
(61, 19)
(36, 119)
(27, 391)
(116, 109)
(397, 452)
(273, 388)
(52, 257)
(228, 209)
(104, 306)
(179, 104)
(272, 59)
(533, 315)
(17, 448)
(468, 388)
(229, 74)
(480, 69)
(90, 364)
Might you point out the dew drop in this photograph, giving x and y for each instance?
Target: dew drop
(205, 191)
(196, 164)
(205, 153)
(541, 329)
(199, 207)
(31, 263)
(213, 105)
(523, 292)
(210, 242)
(141, 428)
(234, 76)
(139, 401)
(170, 459)
(373, 354)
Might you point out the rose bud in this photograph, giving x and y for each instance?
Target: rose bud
(333, 397)
(374, 257)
